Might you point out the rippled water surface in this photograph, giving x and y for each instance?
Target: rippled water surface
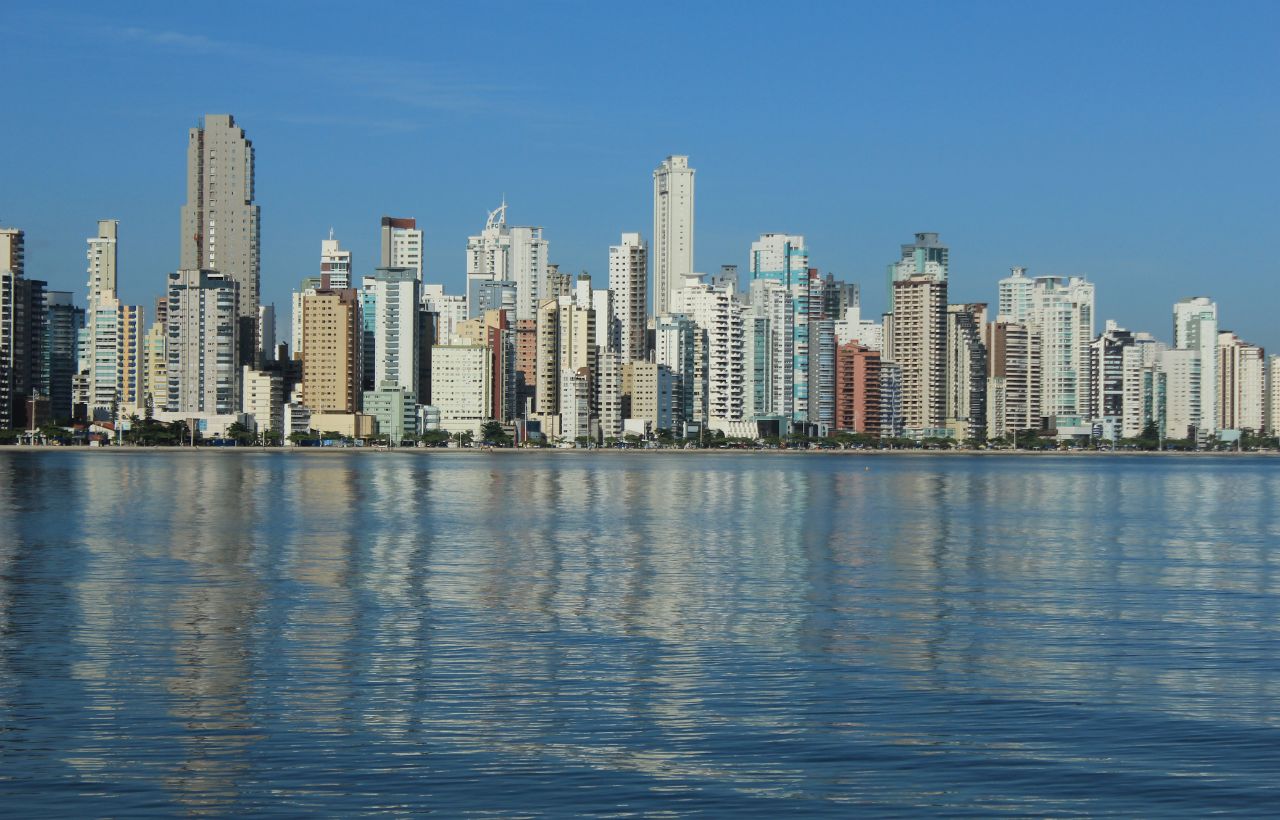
(258, 633)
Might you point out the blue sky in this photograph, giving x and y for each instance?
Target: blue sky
(1133, 143)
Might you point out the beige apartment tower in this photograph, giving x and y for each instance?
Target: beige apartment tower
(332, 357)
(918, 344)
(220, 222)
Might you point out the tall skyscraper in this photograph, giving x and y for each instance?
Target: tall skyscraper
(628, 279)
(781, 259)
(507, 253)
(401, 244)
(202, 342)
(1195, 328)
(672, 229)
(220, 222)
(111, 358)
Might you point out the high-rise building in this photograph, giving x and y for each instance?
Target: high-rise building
(609, 394)
(672, 229)
(1241, 384)
(220, 222)
(1062, 312)
(1013, 379)
(507, 253)
(526, 365)
(966, 414)
(718, 317)
(647, 394)
(918, 344)
(926, 257)
(22, 331)
(332, 363)
(772, 319)
(1195, 328)
(203, 328)
(566, 342)
(678, 344)
(61, 350)
(400, 245)
(155, 365)
(1273, 395)
(461, 386)
(781, 259)
(1181, 369)
(403, 354)
(629, 281)
(493, 331)
(335, 263)
(857, 389)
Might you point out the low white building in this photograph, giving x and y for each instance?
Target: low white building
(262, 397)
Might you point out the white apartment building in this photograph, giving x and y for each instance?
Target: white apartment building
(1181, 368)
(263, 398)
(461, 386)
(1062, 314)
(718, 316)
(397, 329)
(629, 281)
(1195, 328)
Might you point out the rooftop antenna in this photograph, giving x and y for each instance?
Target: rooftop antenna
(330, 234)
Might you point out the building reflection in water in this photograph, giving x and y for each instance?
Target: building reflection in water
(208, 616)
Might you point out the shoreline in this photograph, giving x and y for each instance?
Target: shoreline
(609, 451)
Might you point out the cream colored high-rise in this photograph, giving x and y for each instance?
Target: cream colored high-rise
(629, 281)
(566, 342)
(331, 362)
(672, 229)
(220, 222)
(1241, 384)
(918, 343)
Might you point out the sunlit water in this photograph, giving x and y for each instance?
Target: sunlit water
(237, 633)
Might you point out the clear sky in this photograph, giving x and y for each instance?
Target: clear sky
(1133, 143)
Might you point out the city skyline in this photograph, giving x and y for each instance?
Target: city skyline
(1117, 210)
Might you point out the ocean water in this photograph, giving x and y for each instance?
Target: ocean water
(295, 634)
